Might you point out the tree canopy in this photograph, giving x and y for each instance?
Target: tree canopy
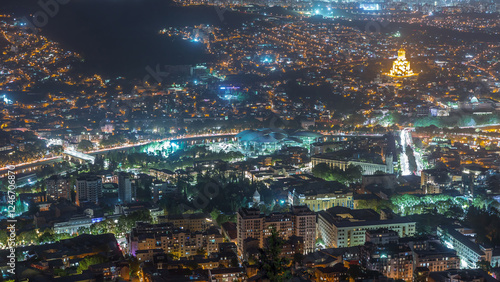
(351, 174)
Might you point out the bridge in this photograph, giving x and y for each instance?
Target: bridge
(79, 155)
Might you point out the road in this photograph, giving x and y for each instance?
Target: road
(129, 145)
(407, 140)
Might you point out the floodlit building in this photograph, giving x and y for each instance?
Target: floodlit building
(342, 227)
(401, 66)
(72, 225)
(318, 199)
(469, 252)
(367, 168)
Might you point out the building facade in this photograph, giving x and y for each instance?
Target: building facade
(72, 225)
(395, 262)
(165, 237)
(348, 232)
(469, 252)
(57, 188)
(367, 168)
(196, 222)
(300, 221)
(88, 189)
(321, 201)
(124, 188)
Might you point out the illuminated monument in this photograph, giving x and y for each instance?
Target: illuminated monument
(401, 67)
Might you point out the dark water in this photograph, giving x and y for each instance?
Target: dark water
(120, 37)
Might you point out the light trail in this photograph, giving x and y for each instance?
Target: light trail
(407, 140)
(405, 165)
(80, 155)
(177, 138)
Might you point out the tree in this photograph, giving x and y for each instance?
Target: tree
(46, 237)
(57, 149)
(351, 174)
(321, 170)
(234, 262)
(85, 145)
(272, 264)
(298, 258)
(192, 265)
(3, 238)
(29, 237)
(201, 252)
(484, 265)
(89, 261)
(134, 266)
(60, 272)
(355, 271)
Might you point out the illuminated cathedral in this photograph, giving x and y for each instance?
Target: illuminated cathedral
(401, 67)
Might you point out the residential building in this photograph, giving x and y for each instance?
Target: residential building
(146, 237)
(57, 188)
(196, 222)
(124, 188)
(382, 236)
(88, 189)
(300, 221)
(393, 261)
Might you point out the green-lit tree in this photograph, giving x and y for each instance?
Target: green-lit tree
(134, 266)
(89, 261)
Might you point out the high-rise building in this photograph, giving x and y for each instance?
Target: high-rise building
(300, 222)
(58, 188)
(88, 189)
(124, 188)
(250, 224)
(304, 222)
